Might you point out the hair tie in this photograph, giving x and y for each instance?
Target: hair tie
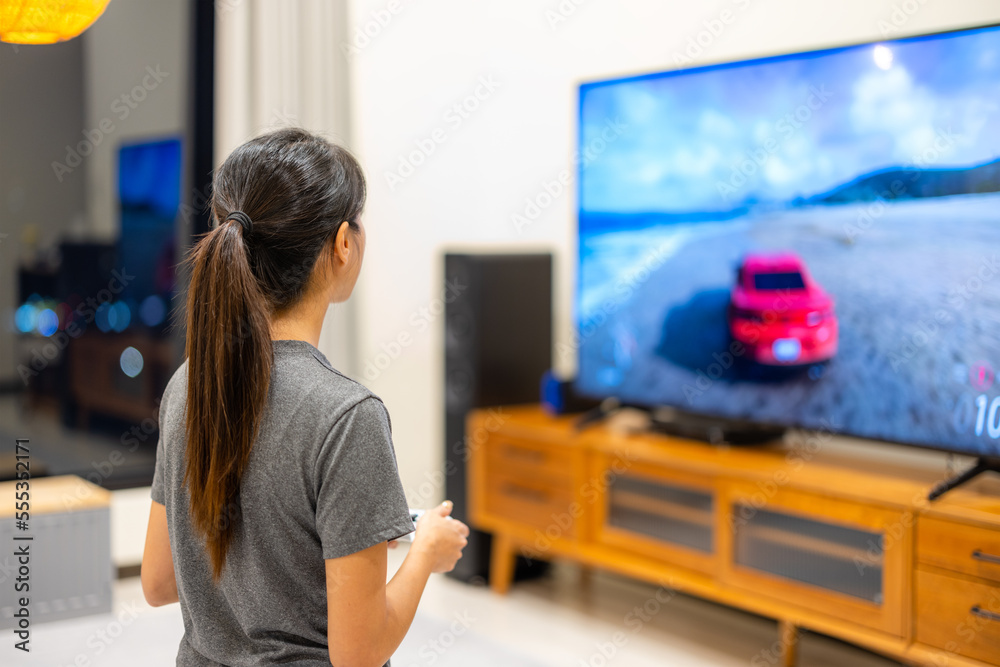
(243, 219)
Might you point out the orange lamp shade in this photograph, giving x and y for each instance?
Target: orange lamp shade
(46, 21)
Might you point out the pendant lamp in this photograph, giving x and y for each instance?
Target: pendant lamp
(46, 21)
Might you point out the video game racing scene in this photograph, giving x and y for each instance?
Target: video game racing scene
(808, 240)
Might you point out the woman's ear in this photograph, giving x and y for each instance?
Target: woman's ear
(330, 255)
(342, 245)
(329, 265)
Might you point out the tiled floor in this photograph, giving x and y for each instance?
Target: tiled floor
(549, 622)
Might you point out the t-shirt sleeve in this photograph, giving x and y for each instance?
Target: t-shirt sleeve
(359, 499)
(157, 490)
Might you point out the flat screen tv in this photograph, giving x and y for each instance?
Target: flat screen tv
(149, 190)
(807, 240)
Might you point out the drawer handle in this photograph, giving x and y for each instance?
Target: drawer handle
(982, 613)
(988, 558)
(525, 492)
(515, 452)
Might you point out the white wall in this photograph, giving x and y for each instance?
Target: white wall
(423, 57)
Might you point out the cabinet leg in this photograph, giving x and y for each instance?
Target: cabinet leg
(789, 643)
(502, 558)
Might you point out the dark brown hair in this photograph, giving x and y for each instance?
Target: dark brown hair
(297, 189)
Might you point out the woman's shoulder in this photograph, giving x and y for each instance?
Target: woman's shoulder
(177, 384)
(302, 373)
(302, 382)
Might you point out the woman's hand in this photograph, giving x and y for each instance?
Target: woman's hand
(440, 538)
(367, 617)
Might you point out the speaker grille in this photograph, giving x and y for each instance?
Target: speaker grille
(498, 343)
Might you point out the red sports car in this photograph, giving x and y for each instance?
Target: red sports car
(779, 314)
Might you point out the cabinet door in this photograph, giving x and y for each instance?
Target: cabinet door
(839, 558)
(667, 515)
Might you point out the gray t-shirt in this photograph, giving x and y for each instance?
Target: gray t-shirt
(321, 483)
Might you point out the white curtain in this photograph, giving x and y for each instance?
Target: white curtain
(280, 63)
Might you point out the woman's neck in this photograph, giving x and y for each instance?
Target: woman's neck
(304, 321)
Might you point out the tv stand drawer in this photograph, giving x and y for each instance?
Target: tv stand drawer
(544, 504)
(959, 615)
(519, 456)
(959, 547)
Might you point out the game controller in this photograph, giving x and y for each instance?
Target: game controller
(414, 516)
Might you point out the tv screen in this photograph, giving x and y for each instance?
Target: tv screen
(809, 240)
(149, 176)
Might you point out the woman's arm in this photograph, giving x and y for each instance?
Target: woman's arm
(368, 618)
(158, 583)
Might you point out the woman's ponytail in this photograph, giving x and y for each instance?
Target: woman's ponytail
(280, 199)
(229, 353)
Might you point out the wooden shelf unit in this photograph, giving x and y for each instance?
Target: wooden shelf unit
(812, 538)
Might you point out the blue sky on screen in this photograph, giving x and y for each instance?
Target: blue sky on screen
(873, 107)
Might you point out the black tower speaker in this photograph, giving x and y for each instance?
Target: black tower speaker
(498, 344)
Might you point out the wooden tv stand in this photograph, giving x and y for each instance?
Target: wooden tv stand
(811, 537)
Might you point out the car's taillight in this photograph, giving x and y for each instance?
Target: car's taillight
(815, 317)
